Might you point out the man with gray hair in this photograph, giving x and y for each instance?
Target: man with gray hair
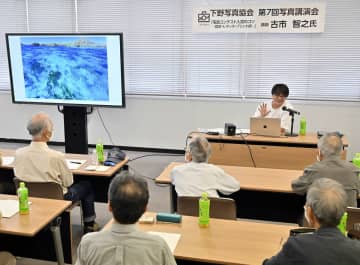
(330, 165)
(325, 205)
(38, 163)
(124, 243)
(197, 176)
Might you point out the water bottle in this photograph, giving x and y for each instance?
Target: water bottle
(94, 158)
(356, 160)
(342, 225)
(23, 194)
(204, 210)
(100, 152)
(302, 126)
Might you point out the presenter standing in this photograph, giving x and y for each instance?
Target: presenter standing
(273, 108)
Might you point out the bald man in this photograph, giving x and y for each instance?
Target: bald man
(330, 165)
(38, 163)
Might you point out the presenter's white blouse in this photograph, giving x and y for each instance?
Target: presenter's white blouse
(192, 179)
(277, 113)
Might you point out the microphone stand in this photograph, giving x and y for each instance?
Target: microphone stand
(292, 134)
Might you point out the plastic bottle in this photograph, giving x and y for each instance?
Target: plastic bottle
(356, 160)
(94, 158)
(302, 126)
(100, 152)
(23, 194)
(204, 210)
(342, 225)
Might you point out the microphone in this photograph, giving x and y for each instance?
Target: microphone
(290, 110)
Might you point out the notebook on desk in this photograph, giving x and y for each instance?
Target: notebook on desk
(265, 126)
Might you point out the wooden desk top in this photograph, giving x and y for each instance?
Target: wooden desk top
(250, 178)
(308, 139)
(224, 241)
(81, 171)
(42, 212)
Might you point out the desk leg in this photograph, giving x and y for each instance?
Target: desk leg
(55, 230)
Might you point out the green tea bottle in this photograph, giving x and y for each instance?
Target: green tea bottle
(302, 126)
(23, 194)
(204, 210)
(100, 152)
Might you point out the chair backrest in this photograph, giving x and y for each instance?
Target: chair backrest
(50, 190)
(353, 220)
(222, 208)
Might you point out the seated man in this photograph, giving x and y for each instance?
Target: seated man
(197, 176)
(38, 163)
(330, 165)
(6, 258)
(273, 108)
(6, 184)
(123, 243)
(325, 205)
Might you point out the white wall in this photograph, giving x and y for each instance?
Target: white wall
(165, 122)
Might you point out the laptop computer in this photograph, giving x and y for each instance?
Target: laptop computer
(265, 126)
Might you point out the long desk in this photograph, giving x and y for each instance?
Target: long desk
(264, 152)
(264, 193)
(224, 241)
(99, 179)
(39, 234)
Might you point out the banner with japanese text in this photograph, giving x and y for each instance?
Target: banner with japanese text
(281, 18)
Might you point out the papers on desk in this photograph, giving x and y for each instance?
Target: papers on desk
(97, 168)
(221, 130)
(74, 163)
(9, 207)
(7, 160)
(170, 238)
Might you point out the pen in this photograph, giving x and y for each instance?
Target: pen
(75, 162)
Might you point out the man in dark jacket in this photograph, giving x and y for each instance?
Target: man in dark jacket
(330, 165)
(325, 205)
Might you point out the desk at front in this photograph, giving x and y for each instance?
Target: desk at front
(267, 152)
(224, 241)
(264, 193)
(37, 235)
(99, 179)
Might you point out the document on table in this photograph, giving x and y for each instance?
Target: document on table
(9, 207)
(74, 163)
(170, 238)
(7, 160)
(97, 168)
(221, 130)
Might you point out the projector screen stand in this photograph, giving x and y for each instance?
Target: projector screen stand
(75, 127)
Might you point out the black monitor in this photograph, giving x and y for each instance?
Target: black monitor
(67, 69)
(76, 71)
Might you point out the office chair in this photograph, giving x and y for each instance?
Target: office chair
(47, 190)
(353, 222)
(222, 208)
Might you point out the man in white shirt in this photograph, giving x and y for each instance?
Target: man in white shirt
(123, 243)
(38, 163)
(197, 176)
(273, 108)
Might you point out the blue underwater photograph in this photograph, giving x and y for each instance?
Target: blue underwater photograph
(68, 67)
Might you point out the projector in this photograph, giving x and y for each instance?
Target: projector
(230, 129)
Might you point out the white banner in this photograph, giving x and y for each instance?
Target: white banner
(281, 18)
